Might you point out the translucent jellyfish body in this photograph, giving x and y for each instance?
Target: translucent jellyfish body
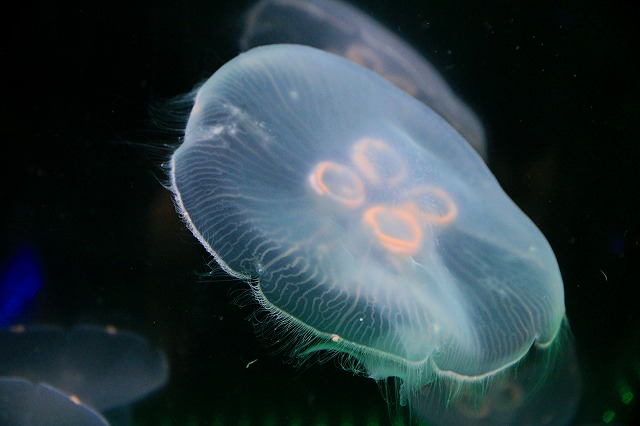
(339, 28)
(365, 221)
(103, 367)
(25, 404)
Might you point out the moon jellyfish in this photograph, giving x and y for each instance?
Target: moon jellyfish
(103, 367)
(369, 227)
(25, 404)
(344, 30)
(539, 390)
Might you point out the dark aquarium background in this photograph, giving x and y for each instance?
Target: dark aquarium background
(85, 135)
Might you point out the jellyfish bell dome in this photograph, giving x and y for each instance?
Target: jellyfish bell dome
(364, 218)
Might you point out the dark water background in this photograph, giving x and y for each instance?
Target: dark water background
(555, 83)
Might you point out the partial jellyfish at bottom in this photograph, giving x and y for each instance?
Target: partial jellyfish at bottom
(25, 404)
(45, 370)
(371, 228)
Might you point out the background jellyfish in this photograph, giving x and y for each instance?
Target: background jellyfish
(342, 29)
(533, 393)
(25, 404)
(368, 225)
(104, 368)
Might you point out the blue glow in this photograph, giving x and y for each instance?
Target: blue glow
(20, 282)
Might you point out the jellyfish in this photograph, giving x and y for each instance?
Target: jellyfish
(25, 404)
(539, 390)
(102, 367)
(344, 30)
(367, 226)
